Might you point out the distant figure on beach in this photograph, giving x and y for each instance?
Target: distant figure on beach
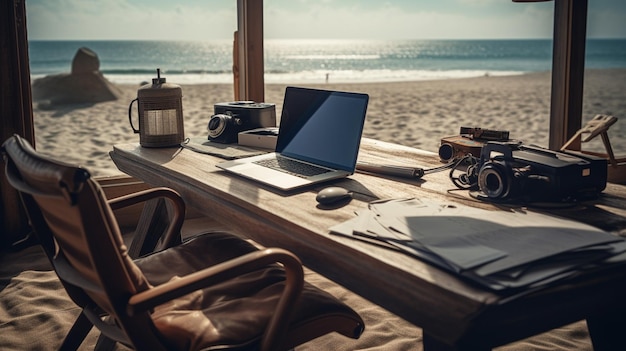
(327, 74)
(84, 84)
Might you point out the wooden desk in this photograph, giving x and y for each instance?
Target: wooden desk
(453, 314)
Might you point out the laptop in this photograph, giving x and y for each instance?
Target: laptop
(318, 140)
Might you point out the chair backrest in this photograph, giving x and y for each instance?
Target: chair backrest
(77, 228)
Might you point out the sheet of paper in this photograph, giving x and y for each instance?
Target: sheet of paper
(365, 227)
(494, 248)
(496, 240)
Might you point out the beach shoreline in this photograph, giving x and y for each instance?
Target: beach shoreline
(413, 113)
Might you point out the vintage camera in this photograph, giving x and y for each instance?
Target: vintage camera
(512, 171)
(230, 118)
(469, 141)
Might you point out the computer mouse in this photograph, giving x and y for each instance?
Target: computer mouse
(332, 195)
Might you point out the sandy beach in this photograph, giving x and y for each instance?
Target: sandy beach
(417, 113)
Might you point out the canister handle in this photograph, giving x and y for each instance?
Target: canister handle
(130, 109)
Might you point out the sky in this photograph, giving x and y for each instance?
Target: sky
(310, 19)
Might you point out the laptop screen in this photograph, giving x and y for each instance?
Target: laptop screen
(322, 127)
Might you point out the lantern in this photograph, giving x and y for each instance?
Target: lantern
(160, 113)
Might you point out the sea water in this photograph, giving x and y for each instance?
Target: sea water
(318, 61)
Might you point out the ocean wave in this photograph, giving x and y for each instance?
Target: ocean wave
(142, 71)
(377, 75)
(312, 61)
(332, 57)
(301, 77)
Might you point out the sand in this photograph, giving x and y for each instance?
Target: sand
(411, 113)
(417, 113)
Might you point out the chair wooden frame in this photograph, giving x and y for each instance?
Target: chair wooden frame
(39, 179)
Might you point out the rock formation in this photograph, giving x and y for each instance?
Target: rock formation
(84, 84)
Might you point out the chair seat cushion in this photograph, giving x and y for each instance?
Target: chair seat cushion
(233, 314)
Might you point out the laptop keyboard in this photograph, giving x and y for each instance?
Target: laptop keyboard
(294, 167)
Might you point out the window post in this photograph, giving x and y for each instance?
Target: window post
(16, 111)
(568, 68)
(251, 83)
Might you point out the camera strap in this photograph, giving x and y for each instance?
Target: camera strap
(468, 178)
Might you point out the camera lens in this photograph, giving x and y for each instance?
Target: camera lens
(217, 125)
(446, 152)
(492, 181)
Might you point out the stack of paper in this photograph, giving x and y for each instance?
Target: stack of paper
(497, 249)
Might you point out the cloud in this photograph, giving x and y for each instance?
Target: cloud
(121, 19)
(350, 19)
(607, 23)
(394, 22)
(479, 2)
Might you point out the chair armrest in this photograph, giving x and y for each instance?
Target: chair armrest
(145, 195)
(276, 328)
(171, 237)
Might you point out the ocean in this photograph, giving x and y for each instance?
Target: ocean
(315, 61)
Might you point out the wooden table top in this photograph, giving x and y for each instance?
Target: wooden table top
(446, 307)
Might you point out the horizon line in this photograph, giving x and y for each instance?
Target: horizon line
(312, 39)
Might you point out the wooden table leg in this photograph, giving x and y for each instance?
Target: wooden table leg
(432, 344)
(607, 330)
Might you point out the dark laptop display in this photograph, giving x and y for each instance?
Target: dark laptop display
(322, 127)
(318, 140)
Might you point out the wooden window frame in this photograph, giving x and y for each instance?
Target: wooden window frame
(568, 68)
(16, 107)
(16, 111)
(249, 75)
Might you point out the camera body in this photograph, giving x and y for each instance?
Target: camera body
(469, 141)
(457, 146)
(512, 171)
(230, 118)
